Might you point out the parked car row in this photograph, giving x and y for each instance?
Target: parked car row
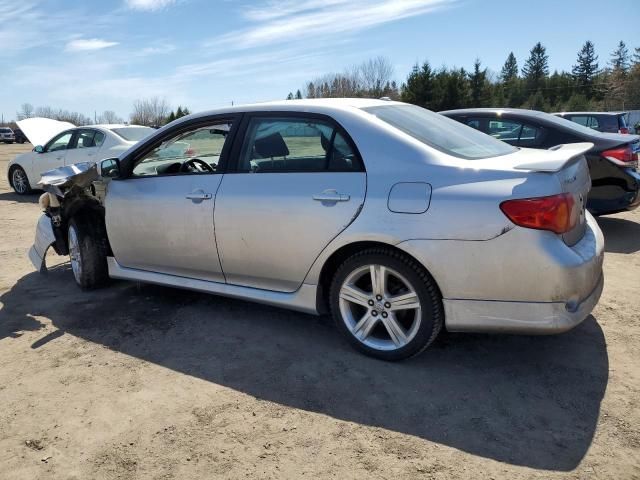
(397, 220)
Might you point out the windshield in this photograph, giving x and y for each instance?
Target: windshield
(5, 130)
(440, 132)
(133, 134)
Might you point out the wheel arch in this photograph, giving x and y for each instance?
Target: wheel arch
(333, 262)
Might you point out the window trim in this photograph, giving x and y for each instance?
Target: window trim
(234, 164)
(128, 163)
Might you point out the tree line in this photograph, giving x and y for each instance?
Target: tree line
(151, 112)
(589, 85)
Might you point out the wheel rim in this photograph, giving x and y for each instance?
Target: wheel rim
(380, 307)
(74, 254)
(19, 180)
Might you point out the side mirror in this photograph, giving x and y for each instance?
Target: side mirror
(38, 149)
(109, 168)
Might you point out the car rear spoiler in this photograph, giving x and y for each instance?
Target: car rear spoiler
(556, 157)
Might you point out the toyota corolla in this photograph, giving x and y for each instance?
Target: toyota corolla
(396, 220)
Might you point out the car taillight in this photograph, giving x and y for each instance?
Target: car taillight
(623, 156)
(624, 130)
(554, 213)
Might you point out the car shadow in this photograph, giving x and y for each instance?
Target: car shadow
(620, 235)
(529, 401)
(14, 197)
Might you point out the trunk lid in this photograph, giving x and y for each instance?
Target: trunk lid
(568, 165)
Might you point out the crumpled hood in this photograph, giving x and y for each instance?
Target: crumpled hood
(40, 130)
(59, 179)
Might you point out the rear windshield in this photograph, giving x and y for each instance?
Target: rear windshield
(568, 124)
(440, 132)
(133, 134)
(5, 130)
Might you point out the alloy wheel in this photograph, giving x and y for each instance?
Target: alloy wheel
(74, 254)
(19, 180)
(380, 307)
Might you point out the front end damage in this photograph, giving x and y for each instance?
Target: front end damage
(69, 193)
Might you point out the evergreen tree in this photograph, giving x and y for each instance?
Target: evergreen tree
(585, 71)
(179, 112)
(509, 69)
(298, 95)
(620, 58)
(290, 96)
(185, 111)
(419, 87)
(478, 85)
(171, 117)
(536, 68)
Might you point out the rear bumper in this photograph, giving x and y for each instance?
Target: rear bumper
(608, 198)
(529, 318)
(524, 281)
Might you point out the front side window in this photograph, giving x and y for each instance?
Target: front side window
(440, 132)
(61, 142)
(295, 145)
(192, 152)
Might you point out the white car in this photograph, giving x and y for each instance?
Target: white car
(61, 143)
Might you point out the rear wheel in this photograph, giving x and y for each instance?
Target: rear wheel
(87, 253)
(386, 304)
(20, 181)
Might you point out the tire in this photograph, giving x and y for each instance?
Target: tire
(88, 253)
(20, 181)
(409, 299)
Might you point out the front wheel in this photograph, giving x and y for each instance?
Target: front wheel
(20, 181)
(87, 253)
(386, 304)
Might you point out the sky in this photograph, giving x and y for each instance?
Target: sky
(96, 56)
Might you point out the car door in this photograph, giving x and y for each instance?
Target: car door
(298, 182)
(85, 146)
(160, 218)
(53, 154)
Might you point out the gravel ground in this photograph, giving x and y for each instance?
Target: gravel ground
(137, 381)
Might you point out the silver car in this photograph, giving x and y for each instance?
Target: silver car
(396, 220)
(7, 135)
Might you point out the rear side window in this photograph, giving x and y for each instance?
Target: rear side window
(86, 139)
(511, 131)
(295, 145)
(440, 132)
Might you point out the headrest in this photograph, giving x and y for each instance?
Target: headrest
(271, 146)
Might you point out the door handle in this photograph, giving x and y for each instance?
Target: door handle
(331, 196)
(199, 196)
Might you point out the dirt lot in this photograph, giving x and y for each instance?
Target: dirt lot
(146, 382)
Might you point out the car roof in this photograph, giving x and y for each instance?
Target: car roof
(589, 113)
(498, 111)
(312, 105)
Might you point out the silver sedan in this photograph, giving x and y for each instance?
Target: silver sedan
(396, 220)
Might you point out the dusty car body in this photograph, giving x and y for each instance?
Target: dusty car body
(397, 220)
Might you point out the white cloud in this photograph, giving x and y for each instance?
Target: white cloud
(149, 5)
(278, 21)
(88, 44)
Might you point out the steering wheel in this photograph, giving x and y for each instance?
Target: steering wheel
(196, 164)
